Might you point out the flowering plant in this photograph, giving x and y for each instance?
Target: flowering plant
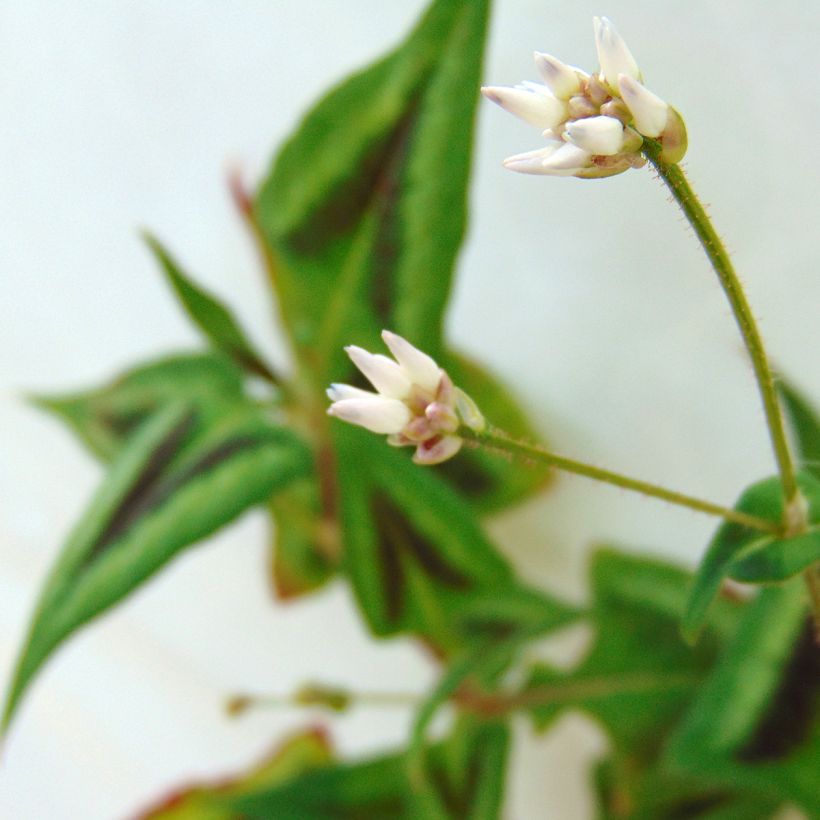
(704, 682)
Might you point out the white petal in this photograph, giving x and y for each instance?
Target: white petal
(649, 111)
(562, 79)
(567, 161)
(613, 55)
(531, 162)
(338, 392)
(377, 414)
(418, 366)
(383, 373)
(597, 135)
(446, 447)
(537, 108)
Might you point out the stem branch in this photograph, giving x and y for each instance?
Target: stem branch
(495, 438)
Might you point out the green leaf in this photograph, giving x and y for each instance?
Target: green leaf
(638, 677)
(106, 417)
(748, 554)
(171, 485)
(414, 551)
(467, 771)
(488, 480)
(754, 723)
(215, 321)
(305, 550)
(297, 755)
(365, 206)
(806, 426)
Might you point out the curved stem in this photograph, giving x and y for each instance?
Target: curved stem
(677, 183)
(495, 438)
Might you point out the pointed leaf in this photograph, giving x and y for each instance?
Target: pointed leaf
(172, 485)
(638, 676)
(752, 554)
(806, 425)
(365, 206)
(215, 321)
(754, 724)
(104, 418)
(467, 771)
(297, 755)
(414, 550)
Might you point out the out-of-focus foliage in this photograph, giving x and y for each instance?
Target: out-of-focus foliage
(360, 221)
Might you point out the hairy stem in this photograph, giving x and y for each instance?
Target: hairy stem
(695, 213)
(497, 439)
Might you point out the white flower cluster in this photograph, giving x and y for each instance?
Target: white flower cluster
(595, 124)
(415, 404)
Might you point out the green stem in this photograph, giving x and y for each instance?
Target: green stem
(495, 438)
(689, 203)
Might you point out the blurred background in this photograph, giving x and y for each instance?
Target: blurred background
(591, 298)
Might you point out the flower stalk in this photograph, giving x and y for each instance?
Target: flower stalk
(681, 190)
(494, 438)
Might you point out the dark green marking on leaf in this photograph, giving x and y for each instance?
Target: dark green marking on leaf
(365, 205)
(167, 489)
(105, 418)
(728, 736)
(141, 496)
(400, 541)
(794, 707)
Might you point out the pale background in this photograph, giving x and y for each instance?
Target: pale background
(592, 298)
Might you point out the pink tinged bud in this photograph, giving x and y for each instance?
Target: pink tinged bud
(613, 55)
(437, 450)
(649, 112)
(377, 413)
(562, 80)
(442, 417)
(597, 135)
(419, 368)
(539, 108)
(673, 139)
(419, 429)
(383, 373)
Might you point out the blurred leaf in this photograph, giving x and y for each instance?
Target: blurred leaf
(305, 549)
(754, 723)
(104, 418)
(806, 426)
(365, 206)
(638, 677)
(626, 793)
(749, 554)
(491, 481)
(210, 316)
(415, 553)
(170, 486)
(467, 772)
(301, 753)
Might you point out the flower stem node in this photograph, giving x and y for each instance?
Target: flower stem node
(595, 124)
(415, 403)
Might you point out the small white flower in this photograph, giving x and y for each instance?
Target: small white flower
(596, 124)
(415, 404)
